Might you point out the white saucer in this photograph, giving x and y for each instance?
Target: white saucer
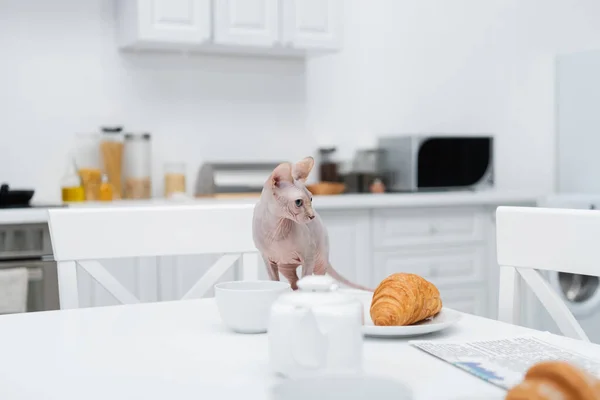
(443, 320)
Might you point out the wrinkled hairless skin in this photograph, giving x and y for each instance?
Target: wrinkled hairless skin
(286, 229)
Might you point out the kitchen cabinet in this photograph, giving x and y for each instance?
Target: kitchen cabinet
(349, 243)
(427, 226)
(312, 24)
(246, 22)
(163, 23)
(449, 246)
(471, 299)
(267, 27)
(442, 265)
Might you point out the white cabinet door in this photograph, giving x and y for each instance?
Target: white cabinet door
(179, 21)
(467, 299)
(442, 265)
(312, 24)
(246, 22)
(164, 23)
(350, 243)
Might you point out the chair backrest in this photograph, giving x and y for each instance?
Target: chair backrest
(550, 239)
(83, 236)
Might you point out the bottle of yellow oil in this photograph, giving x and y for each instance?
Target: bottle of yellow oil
(106, 189)
(71, 187)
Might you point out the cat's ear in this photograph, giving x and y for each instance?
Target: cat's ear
(282, 173)
(303, 168)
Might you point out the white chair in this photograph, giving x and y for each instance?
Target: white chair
(85, 235)
(547, 239)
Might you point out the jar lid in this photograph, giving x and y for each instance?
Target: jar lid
(327, 150)
(111, 129)
(316, 290)
(145, 136)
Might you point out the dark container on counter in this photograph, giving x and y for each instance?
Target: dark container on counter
(328, 168)
(364, 171)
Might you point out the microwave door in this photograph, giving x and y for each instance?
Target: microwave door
(451, 163)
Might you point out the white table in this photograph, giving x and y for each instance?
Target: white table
(180, 350)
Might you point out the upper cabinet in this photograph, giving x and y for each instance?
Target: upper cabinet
(168, 23)
(312, 24)
(279, 27)
(246, 22)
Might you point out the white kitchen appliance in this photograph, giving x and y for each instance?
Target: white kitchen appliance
(316, 330)
(28, 246)
(434, 162)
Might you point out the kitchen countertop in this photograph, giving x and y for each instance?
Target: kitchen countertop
(339, 202)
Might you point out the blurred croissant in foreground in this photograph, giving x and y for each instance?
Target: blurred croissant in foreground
(404, 299)
(556, 380)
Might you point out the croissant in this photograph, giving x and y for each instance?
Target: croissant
(556, 380)
(404, 299)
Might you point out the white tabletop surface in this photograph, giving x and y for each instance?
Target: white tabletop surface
(180, 350)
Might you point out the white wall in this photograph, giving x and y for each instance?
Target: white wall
(427, 65)
(61, 73)
(453, 66)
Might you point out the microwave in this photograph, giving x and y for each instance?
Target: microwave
(424, 162)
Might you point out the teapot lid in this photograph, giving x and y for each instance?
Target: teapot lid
(316, 290)
(316, 283)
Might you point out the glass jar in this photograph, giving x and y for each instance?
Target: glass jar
(111, 150)
(106, 189)
(328, 168)
(71, 187)
(137, 167)
(366, 167)
(174, 179)
(87, 161)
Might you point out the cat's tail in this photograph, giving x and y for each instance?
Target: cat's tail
(338, 277)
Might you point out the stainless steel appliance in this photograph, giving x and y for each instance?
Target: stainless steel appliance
(232, 179)
(28, 245)
(419, 162)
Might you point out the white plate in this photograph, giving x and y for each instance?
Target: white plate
(443, 320)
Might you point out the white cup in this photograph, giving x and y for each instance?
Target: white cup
(245, 306)
(347, 387)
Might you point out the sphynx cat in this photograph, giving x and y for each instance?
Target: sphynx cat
(286, 229)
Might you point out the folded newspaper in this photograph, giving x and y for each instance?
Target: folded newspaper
(503, 362)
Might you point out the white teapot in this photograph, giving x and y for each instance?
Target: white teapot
(316, 330)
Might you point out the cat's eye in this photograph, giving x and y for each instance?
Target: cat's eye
(298, 202)
(311, 199)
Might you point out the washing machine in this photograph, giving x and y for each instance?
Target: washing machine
(581, 293)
